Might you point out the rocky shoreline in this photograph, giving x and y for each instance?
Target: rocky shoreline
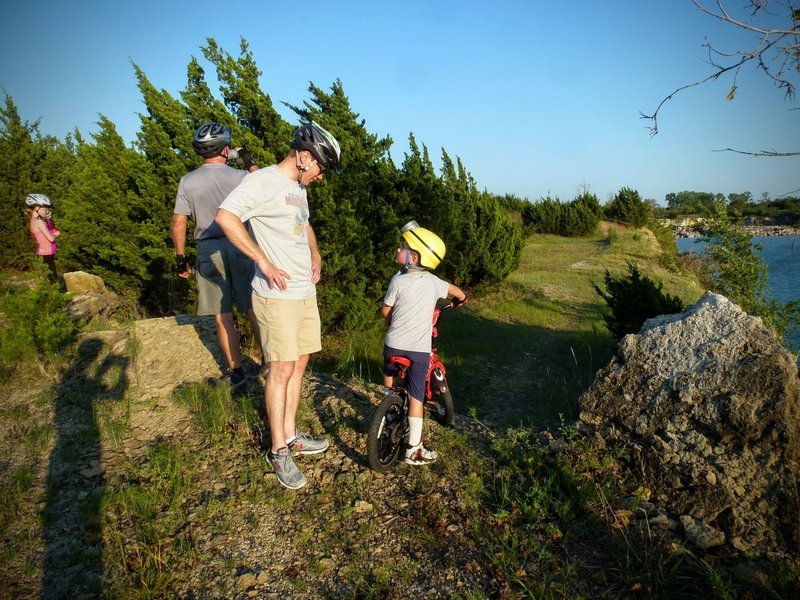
(686, 231)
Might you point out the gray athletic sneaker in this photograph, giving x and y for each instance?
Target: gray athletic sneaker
(288, 474)
(305, 444)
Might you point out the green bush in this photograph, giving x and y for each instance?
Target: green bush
(573, 219)
(35, 325)
(633, 299)
(628, 207)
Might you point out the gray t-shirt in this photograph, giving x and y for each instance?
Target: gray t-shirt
(413, 296)
(276, 209)
(200, 193)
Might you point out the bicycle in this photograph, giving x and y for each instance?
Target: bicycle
(388, 432)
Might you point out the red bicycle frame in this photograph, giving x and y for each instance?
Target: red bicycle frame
(402, 363)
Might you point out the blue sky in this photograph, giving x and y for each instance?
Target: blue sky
(536, 98)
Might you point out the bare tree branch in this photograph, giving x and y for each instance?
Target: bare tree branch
(776, 53)
(760, 152)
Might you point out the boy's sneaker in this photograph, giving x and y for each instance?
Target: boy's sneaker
(420, 455)
(305, 444)
(288, 474)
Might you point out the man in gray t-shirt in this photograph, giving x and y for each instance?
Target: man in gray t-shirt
(223, 272)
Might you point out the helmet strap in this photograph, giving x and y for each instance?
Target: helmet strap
(407, 266)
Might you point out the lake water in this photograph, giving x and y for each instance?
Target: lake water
(781, 254)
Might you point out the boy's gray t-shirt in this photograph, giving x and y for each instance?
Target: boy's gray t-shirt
(412, 296)
(200, 193)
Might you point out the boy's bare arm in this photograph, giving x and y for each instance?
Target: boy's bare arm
(456, 292)
(386, 312)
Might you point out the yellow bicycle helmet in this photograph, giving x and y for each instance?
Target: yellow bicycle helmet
(430, 246)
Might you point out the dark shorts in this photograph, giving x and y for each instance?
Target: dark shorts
(224, 276)
(417, 372)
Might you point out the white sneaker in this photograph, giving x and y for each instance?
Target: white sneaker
(420, 455)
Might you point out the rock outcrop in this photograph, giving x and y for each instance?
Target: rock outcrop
(174, 351)
(706, 403)
(90, 296)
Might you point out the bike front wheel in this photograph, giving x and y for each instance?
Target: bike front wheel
(441, 403)
(388, 433)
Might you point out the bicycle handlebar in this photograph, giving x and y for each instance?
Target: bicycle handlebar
(455, 303)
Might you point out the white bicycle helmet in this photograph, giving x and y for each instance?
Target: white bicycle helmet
(32, 200)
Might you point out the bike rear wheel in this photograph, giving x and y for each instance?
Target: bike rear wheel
(388, 433)
(441, 403)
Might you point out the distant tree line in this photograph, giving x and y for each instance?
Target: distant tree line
(581, 215)
(785, 209)
(113, 202)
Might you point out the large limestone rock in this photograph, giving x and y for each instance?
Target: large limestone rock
(707, 404)
(90, 296)
(174, 351)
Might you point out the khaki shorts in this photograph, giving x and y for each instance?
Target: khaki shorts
(288, 328)
(224, 276)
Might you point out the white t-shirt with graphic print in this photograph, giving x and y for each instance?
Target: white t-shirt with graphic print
(276, 208)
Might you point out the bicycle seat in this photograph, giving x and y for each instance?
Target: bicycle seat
(400, 361)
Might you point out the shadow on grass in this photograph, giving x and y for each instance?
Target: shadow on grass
(76, 483)
(516, 374)
(510, 373)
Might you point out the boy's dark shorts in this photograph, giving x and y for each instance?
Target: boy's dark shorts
(417, 373)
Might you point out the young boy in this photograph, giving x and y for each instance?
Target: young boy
(408, 307)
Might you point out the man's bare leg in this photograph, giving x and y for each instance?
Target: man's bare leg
(293, 390)
(275, 399)
(228, 339)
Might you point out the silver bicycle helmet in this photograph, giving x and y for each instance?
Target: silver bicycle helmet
(210, 139)
(32, 200)
(320, 142)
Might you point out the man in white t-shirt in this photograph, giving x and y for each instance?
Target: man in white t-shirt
(273, 202)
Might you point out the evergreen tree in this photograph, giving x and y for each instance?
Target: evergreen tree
(111, 224)
(632, 299)
(116, 202)
(17, 169)
(258, 126)
(543, 216)
(165, 138)
(628, 207)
